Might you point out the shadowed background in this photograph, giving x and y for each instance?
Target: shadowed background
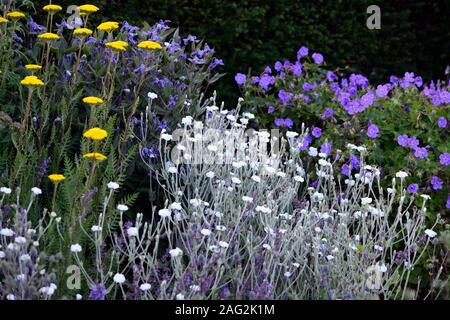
(414, 35)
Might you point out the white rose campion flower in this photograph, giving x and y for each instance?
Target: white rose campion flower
(401, 174)
(113, 185)
(5, 190)
(6, 232)
(210, 174)
(177, 252)
(152, 95)
(223, 244)
(119, 278)
(291, 134)
(145, 286)
(133, 232)
(366, 201)
(187, 120)
(179, 296)
(247, 199)
(75, 248)
(36, 191)
(122, 207)
(20, 240)
(205, 232)
(164, 213)
(313, 152)
(430, 233)
(175, 206)
(166, 137)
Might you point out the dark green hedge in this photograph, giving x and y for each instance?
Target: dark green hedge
(251, 33)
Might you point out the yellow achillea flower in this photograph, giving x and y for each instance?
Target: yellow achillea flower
(108, 26)
(88, 8)
(116, 45)
(3, 20)
(94, 156)
(52, 8)
(93, 101)
(149, 45)
(48, 36)
(15, 15)
(95, 134)
(82, 32)
(32, 81)
(56, 177)
(33, 67)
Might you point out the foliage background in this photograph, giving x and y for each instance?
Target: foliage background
(252, 33)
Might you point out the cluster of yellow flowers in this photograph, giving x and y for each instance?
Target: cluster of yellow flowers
(93, 101)
(32, 81)
(108, 26)
(95, 134)
(48, 36)
(56, 177)
(82, 32)
(52, 8)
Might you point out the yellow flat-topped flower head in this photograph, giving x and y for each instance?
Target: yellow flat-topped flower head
(56, 177)
(93, 101)
(15, 15)
(52, 8)
(108, 26)
(33, 67)
(32, 81)
(116, 46)
(82, 32)
(88, 9)
(3, 20)
(95, 134)
(48, 36)
(149, 45)
(95, 156)
(121, 43)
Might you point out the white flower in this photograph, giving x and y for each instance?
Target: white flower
(2, 254)
(430, 233)
(401, 174)
(175, 206)
(10, 297)
(20, 240)
(75, 248)
(53, 214)
(317, 229)
(119, 278)
(317, 196)
(323, 155)
(5, 190)
(179, 296)
(323, 162)
(25, 257)
(249, 115)
(425, 196)
(256, 179)
(312, 152)
(166, 137)
(205, 232)
(177, 252)
(330, 257)
(133, 232)
(247, 199)
(172, 169)
(187, 120)
(164, 213)
(6, 232)
(263, 209)
(298, 179)
(210, 174)
(194, 288)
(78, 296)
(378, 248)
(366, 201)
(236, 180)
(195, 202)
(291, 134)
(212, 148)
(145, 286)
(122, 207)
(287, 274)
(36, 191)
(113, 185)
(152, 95)
(390, 190)
(223, 244)
(266, 246)
(382, 268)
(221, 228)
(95, 228)
(281, 174)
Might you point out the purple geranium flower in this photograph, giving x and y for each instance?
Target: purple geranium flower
(444, 159)
(436, 183)
(98, 292)
(271, 109)
(403, 140)
(287, 123)
(442, 122)
(317, 57)
(346, 170)
(316, 132)
(420, 152)
(383, 90)
(412, 188)
(413, 142)
(285, 97)
(297, 69)
(372, 131)
(302, 52)
(328, 113)
(240, 78)
(447, 205)
(266, 80)
(326, 148)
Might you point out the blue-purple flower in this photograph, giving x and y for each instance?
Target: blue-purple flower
(240, 78)
(421, 152)
(436, 183)
(444, 159)
(412, 188)
(372, 131)
(442, 122)
(317, 57)
(316, 132)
